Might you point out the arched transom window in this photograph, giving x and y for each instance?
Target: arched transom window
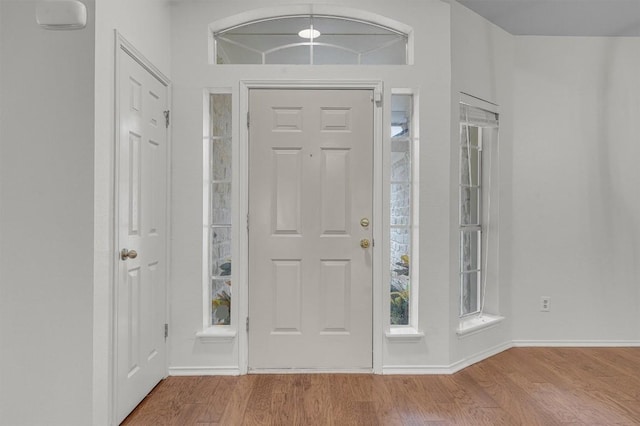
(311, 40)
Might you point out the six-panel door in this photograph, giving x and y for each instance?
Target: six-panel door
(310, 186)
(142, 207)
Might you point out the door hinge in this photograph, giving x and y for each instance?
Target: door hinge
(247, 119)
(247, 324)
(166, 331)
(377, 98)
(166, 118)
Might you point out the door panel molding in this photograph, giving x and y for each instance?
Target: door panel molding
(336, 121)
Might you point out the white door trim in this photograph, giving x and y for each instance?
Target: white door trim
(242, 291)
(123, 46)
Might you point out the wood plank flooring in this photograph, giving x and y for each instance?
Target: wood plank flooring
(521, 386)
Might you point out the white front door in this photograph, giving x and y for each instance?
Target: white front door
(310, 192)
(142, 227)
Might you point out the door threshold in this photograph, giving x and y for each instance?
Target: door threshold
(310, 371)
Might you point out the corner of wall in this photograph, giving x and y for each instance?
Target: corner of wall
(482, 65)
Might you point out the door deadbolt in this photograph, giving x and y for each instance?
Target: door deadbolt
(364, 222)
(128, 254)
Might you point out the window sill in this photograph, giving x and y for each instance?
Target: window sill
(472, 325)
(216, 334)
(404, 334)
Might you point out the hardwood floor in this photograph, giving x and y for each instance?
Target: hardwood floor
(522, 386)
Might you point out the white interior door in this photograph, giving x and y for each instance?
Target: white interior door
(142, 216)
(310, 187)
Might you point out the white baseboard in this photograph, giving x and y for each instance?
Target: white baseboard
(204, 371)
(576, 343)
(418, 369)
(310, 371)
(480, 356)
(446, 369)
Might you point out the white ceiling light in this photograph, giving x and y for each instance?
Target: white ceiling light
(309, 33)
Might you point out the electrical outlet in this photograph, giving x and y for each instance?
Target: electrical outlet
(545, 304)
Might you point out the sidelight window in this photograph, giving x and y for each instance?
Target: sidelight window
(403, 202)
(219, 155)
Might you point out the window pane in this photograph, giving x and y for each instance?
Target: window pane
(401, 110)
(221, 203)
(469, 292)
(469, 135)
(401, 163)
(220, 185)
(220, 251)
(473, 125)
(336, 26)
(258, 35)
(469, 206)
(221, 159)
(330, 55)
(220, 302)
(358, 43)
(394, 53)
(401, 204)
(470, 244)
(221, 114)
(401, 200)
(400, 244)
(269, 34)
(470, 167)
(341, 41)
(229, 53)
(400, 293)
(278, 25)
(297, 55)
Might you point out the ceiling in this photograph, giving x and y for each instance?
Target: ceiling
(562, 17)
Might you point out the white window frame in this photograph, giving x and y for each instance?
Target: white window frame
(479, 320)
(209, 332)
(410, 331)
(470, 228)
(220, 35)
(317, 9)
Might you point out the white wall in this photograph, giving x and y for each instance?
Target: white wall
(46, 219)
(430, 75)
(146, 24)
(576, 205)
(482, 66)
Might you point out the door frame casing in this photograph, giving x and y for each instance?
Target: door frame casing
(124, 47)
(242, 205)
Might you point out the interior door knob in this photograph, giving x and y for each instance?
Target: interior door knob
(365, 243)
(128, 254)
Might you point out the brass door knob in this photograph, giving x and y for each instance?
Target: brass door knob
(128, 254)
(365, 243)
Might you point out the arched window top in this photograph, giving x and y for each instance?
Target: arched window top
(312, 39)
